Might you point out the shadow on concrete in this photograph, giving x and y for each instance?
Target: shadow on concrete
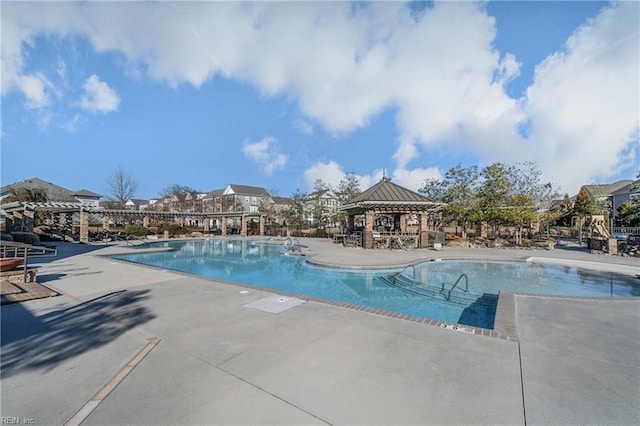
(64, 250)
(42, 342)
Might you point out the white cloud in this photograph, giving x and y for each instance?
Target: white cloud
(98, 96)
(345, 62)
(265, 152)
(584, 104)
(413, 179)
(331, 173)
(33, 87)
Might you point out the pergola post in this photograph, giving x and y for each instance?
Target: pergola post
(243, 232)
(368, 230)
(403, 222)
(206, 224)
(145, 221)
(261, 225)
(223, 226)
(84, 226)
(423, 241)
(105, 223)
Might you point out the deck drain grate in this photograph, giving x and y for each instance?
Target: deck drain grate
(275, 304)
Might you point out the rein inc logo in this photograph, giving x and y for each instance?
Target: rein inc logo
(7, 420)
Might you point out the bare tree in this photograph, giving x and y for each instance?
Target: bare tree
(121, 186)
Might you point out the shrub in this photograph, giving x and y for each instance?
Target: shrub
(26, 237)
(137, 230)
(175, 230)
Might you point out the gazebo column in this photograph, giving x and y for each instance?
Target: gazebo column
(84, 226)
(105, 223)
(223, 226)
(424, 228)
(368, 230)
(403, 222)
(261, 225)
(243, 232)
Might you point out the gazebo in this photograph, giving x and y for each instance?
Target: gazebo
(394, 216)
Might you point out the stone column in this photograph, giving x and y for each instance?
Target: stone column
(105, 223)
(145, 221)
(206, 224)
(9, 223)
(223, 226)
(84, 226)
(243, 232)
(261, 225)
(423, 241)
(351, 222)
(28, 220)
(368, 230)
(403, 222)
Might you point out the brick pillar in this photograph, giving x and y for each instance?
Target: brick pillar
(145, 221)
(105, 223)
(424, 227)
(261, 225)
(243, 231)
(223, 226)
(84, 226)
(368, 230)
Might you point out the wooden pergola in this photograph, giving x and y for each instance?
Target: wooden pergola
(386, 208)
(20, 216)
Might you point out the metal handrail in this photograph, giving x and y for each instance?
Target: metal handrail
(25, 251)
(466, 287)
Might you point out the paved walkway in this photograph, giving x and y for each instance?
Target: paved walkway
(128, 344)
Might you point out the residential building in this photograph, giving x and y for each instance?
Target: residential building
(53, 192)
(321, 208)
(250, 199)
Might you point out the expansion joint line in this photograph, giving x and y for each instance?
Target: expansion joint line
(93, 403)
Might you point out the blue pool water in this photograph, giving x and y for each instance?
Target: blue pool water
(265, 265)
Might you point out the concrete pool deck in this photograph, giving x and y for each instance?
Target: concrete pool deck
(129, 344)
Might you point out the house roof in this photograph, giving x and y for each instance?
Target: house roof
(606, 189)
(626, 189)
(247, 190)
(54, 192)
(86, 193)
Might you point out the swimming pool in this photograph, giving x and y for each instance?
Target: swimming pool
(416, 290)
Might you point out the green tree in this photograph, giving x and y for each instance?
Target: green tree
(317, 202)
(493, 194)
(348, 188)
(28, 195)
(294, 213)
(628, 213)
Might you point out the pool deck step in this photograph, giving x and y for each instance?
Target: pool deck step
(505, 319)
(13, 292)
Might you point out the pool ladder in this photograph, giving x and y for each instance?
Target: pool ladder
(406, 280)
(292, 245)
(447, 293)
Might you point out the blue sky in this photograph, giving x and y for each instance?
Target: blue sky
(280, 94)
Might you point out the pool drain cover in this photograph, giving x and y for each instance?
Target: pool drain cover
(275, 304)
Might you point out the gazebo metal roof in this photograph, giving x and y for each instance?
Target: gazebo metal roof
(386, 196)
